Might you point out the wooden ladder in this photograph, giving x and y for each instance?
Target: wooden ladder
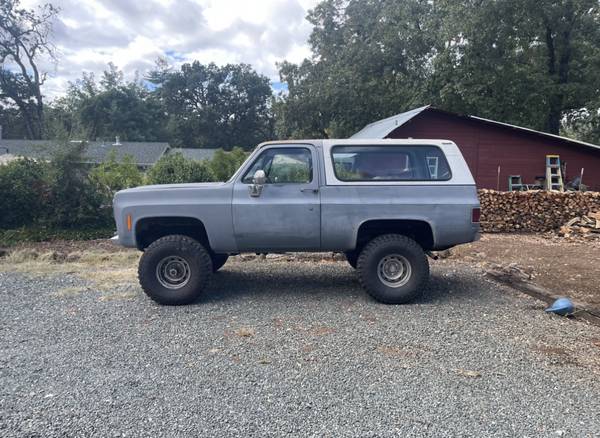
(554, 180)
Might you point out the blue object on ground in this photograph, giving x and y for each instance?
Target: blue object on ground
(562, 306)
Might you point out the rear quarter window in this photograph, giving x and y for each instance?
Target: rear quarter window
(390, 163)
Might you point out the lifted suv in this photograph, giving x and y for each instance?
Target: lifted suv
(384, 203)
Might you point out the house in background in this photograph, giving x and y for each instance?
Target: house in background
(144, 154)
(488, 144)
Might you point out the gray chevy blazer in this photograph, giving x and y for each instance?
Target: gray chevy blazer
(386, 204)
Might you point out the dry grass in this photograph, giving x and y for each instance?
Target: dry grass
(71, 291)
(113, 273)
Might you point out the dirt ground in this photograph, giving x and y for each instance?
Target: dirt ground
(564, 267)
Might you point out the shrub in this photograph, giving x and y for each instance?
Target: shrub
(23, 187)
(112, 175)
(224, 164)
(74, 198)
(175, 168)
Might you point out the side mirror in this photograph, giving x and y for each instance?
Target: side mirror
(259, 178)
(258, 182)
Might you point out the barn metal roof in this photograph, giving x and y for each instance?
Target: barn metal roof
(533, 131)
(383, 128)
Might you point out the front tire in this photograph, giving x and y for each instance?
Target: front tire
(393, 269)
(175, 270)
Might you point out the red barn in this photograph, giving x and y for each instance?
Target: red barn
(487, 144)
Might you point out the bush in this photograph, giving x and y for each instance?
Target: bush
(112, 175)
(40, 200)
(74, 198)
(23, 187)
(224, 164)
(175, 168)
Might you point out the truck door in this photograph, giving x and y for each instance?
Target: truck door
(283, 213)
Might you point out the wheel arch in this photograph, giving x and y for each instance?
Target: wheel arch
(151, 228)
(419, 229)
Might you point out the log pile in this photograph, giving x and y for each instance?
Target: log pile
(535, 210)
(581, 226)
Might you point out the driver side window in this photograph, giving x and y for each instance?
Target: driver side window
(283, 166)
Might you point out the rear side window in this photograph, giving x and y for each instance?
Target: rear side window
(390, 163)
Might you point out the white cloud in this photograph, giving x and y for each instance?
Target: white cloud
(133, 33)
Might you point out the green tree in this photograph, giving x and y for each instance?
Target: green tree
(209, 105)
(584, 123)
(12, 122)
(107, 109)
(175, 169)
(371, 59)
(23, 187)
(113, 175)
(224, 164)
(24, 38)
(528, 62)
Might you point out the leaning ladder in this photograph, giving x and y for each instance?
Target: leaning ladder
(554, 180)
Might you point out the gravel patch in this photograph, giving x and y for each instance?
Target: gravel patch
(278, 348)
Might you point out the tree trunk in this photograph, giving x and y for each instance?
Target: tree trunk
(559, 45)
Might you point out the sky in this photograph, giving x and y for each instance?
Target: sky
(132, 34)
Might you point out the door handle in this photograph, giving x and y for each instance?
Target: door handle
(309, 190)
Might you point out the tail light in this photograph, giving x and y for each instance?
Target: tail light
(475, 215)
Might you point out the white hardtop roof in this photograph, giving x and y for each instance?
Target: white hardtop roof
(386, 141)
(361, 142)
(449, 147)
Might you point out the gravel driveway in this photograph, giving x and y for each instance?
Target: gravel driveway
(297, 349)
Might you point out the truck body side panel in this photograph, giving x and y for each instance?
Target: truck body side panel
(210, 204)
(446, 208)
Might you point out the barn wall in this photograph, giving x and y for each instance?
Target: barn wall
(486, 146)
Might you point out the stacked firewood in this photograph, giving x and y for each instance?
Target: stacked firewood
(580, 226)
(535, 210)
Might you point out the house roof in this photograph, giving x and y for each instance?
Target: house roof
(194, 153)
(383, 128)
(143, 153)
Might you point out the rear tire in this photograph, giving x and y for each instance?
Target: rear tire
(175, 270)
(218, 260)
(393, 269)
